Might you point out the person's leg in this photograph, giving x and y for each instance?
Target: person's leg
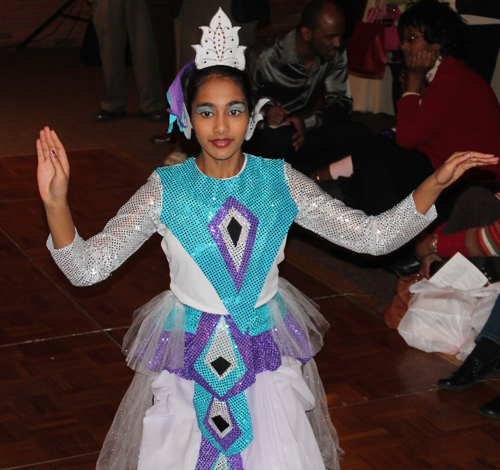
(326, 144)
(343, 167)
(109, 22)
(161, 13)
(144, 56)
(272, 143)
(491, 329)
(484, 360)
(490, 336)
(383, 175)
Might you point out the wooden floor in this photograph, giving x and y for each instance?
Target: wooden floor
(62, 373)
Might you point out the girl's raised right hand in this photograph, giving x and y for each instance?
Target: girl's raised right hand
(53, 168)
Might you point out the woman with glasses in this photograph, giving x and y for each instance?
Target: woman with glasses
(445, 106)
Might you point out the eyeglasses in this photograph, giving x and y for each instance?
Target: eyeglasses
(411, 38)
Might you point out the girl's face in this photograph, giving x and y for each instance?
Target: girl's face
(220, 118)
(412, 41)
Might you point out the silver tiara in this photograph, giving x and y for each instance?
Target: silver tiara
(220, 44)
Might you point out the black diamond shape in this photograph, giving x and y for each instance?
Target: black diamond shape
(220, 422)
(234, 228)
(220, 365)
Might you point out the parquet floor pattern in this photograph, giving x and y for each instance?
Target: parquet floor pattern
(62, 373)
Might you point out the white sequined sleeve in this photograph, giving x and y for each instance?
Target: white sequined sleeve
(87, 262)
(351, 228)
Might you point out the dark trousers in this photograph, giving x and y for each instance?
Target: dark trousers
(322, 145)
(162, 14)
(491, 328)
(114, 20)
(384, 174)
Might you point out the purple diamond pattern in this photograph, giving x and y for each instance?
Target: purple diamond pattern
(227, 438)
(209, 456)
(237, 260)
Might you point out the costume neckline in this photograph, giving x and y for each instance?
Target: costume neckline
(223, 179)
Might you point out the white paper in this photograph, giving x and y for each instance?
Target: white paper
(459, 273)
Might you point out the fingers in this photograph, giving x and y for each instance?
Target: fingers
(297, 143)
(39, 152)
(48, 137)
(46, 141)
(489, 159)
(57, 143)
(422, 60)
(275, 116)
(56, 162)
(424, 270)
(50, 148)
(50, 141)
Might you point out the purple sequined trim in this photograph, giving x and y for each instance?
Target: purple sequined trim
(299, 337)
(238, 275)
(230, 438)
(259, 353)
(209, 455)
(235, 461)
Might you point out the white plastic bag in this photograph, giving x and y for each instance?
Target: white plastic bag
(438, 319)
(487, 297)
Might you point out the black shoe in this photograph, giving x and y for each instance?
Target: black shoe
(155, 116)
(471, 371)
(106, 116)
(162, 139)
(406, 264)
(491, 409)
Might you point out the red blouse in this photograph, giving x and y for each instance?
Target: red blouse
(458, 112)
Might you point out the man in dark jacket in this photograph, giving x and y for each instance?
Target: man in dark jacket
(304, 75)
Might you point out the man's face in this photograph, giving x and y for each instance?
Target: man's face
(326, 40)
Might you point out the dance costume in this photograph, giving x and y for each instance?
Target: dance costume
(226, 353)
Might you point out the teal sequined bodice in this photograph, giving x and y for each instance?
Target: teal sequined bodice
(232, 228)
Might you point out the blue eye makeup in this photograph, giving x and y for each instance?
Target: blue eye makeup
(236, 109)
(204, 110)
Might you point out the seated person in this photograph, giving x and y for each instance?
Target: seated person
(473, 230)
(309, 61)
(445, 106)
(481, 364)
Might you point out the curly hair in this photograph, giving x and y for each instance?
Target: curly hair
(439, 24)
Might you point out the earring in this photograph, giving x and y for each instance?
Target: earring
(255, 117)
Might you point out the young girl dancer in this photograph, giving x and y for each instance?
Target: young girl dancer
(224, 377)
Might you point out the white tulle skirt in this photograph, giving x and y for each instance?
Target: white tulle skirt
(156, 428)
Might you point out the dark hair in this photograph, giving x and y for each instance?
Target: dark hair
(193, 80)
(312, 12)
(439, 24)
